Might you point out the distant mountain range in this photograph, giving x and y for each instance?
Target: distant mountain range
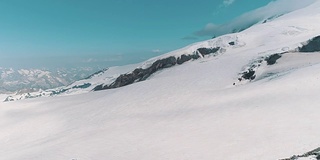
(31, 80)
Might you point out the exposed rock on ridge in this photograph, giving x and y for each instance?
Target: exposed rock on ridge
(250, 72)
(315, 154)
(271, 60)
(141, 74)
(312, 45)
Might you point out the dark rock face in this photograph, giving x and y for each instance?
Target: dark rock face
(164, 63)
(232, 43)
(140, 74)
(250, 72)
(83, 86)
(206, 51)
(315, 153)
(271, 60)
(123, 80)
(58, 92)
(184, 58)
(313, 45)
(98, 88)
(249, 75)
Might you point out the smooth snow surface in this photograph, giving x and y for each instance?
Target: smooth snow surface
(186, 112)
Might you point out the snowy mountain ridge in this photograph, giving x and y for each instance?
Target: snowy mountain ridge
(274, 32)
(247, 95)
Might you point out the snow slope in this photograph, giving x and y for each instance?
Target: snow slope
(189, 111)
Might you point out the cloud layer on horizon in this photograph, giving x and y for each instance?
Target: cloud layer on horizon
(274, 8)
(228, 2)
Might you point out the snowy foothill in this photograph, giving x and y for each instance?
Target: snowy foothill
(197, 110)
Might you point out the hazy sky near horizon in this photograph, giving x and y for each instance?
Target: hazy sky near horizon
(106, 32)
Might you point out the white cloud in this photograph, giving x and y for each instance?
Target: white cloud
(248, 19)
(228, 2)
(156, 51)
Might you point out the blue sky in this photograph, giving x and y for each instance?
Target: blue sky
(106, 32)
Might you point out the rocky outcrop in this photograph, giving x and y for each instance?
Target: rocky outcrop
(271, 60)
(314, 154)
(249, 75)
(250, 72)
(232, 43)
(141, 74)
(185, 58)
(206, 51)
(312, 45)
(83, 86)
(63, 90)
